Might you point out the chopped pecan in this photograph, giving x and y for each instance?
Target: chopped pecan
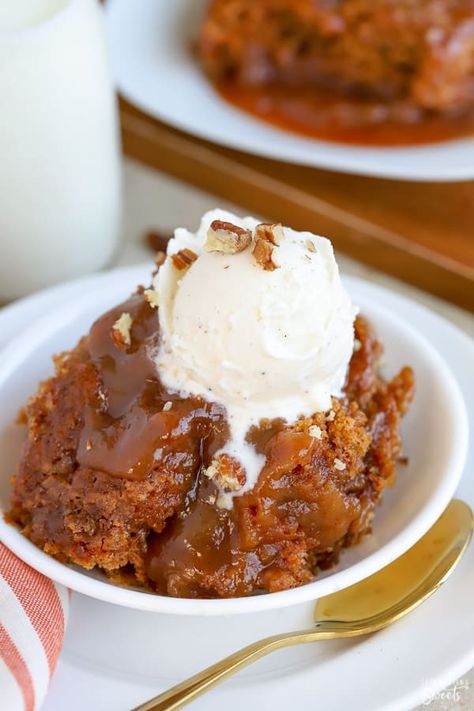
(227, 238)
(315, 432)
(160, 259)
(157, 241)
(120, 332)
(224, 500)
(267, 237)
(184, 258)
(263, 253)
(152, 297)
(271, 233)
(226, 472)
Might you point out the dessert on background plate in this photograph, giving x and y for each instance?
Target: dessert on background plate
(224, 432)
(162, 41)
(358, 71)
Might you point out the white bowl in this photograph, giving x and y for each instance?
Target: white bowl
(434, 432)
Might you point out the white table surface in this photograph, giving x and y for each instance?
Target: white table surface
(152, 199)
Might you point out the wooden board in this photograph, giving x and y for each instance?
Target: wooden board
(422, 233)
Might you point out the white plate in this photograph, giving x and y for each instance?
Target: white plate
(106, 661)
(150, 42)
(435, 439)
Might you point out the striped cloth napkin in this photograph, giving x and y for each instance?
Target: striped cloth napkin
(33, 615)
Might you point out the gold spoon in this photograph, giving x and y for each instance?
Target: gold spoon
(361, 609)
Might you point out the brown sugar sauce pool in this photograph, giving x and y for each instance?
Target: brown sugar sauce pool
(322, 114)
(135, 420)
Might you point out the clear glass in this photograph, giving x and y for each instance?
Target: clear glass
(60, 186)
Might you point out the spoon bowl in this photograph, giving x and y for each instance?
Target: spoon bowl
(401, 586)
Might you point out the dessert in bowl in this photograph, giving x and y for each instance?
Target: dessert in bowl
(241, 460)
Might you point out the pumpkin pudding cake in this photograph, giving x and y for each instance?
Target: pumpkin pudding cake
(224, 432)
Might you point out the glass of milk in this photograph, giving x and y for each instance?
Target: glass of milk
(60, 191)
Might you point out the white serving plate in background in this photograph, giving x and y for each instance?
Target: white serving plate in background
(150, 42)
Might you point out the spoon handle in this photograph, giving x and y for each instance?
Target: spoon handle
(185, 692)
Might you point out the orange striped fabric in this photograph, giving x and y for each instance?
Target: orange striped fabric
(33, 615)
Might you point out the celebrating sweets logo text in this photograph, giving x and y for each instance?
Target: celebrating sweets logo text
(451, 694)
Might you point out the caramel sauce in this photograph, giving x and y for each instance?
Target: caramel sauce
(201, 537)
(205, 539)
(126, 429)
(324, 114)
(203, 543)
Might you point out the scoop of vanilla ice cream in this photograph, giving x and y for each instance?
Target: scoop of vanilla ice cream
(265, 344)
